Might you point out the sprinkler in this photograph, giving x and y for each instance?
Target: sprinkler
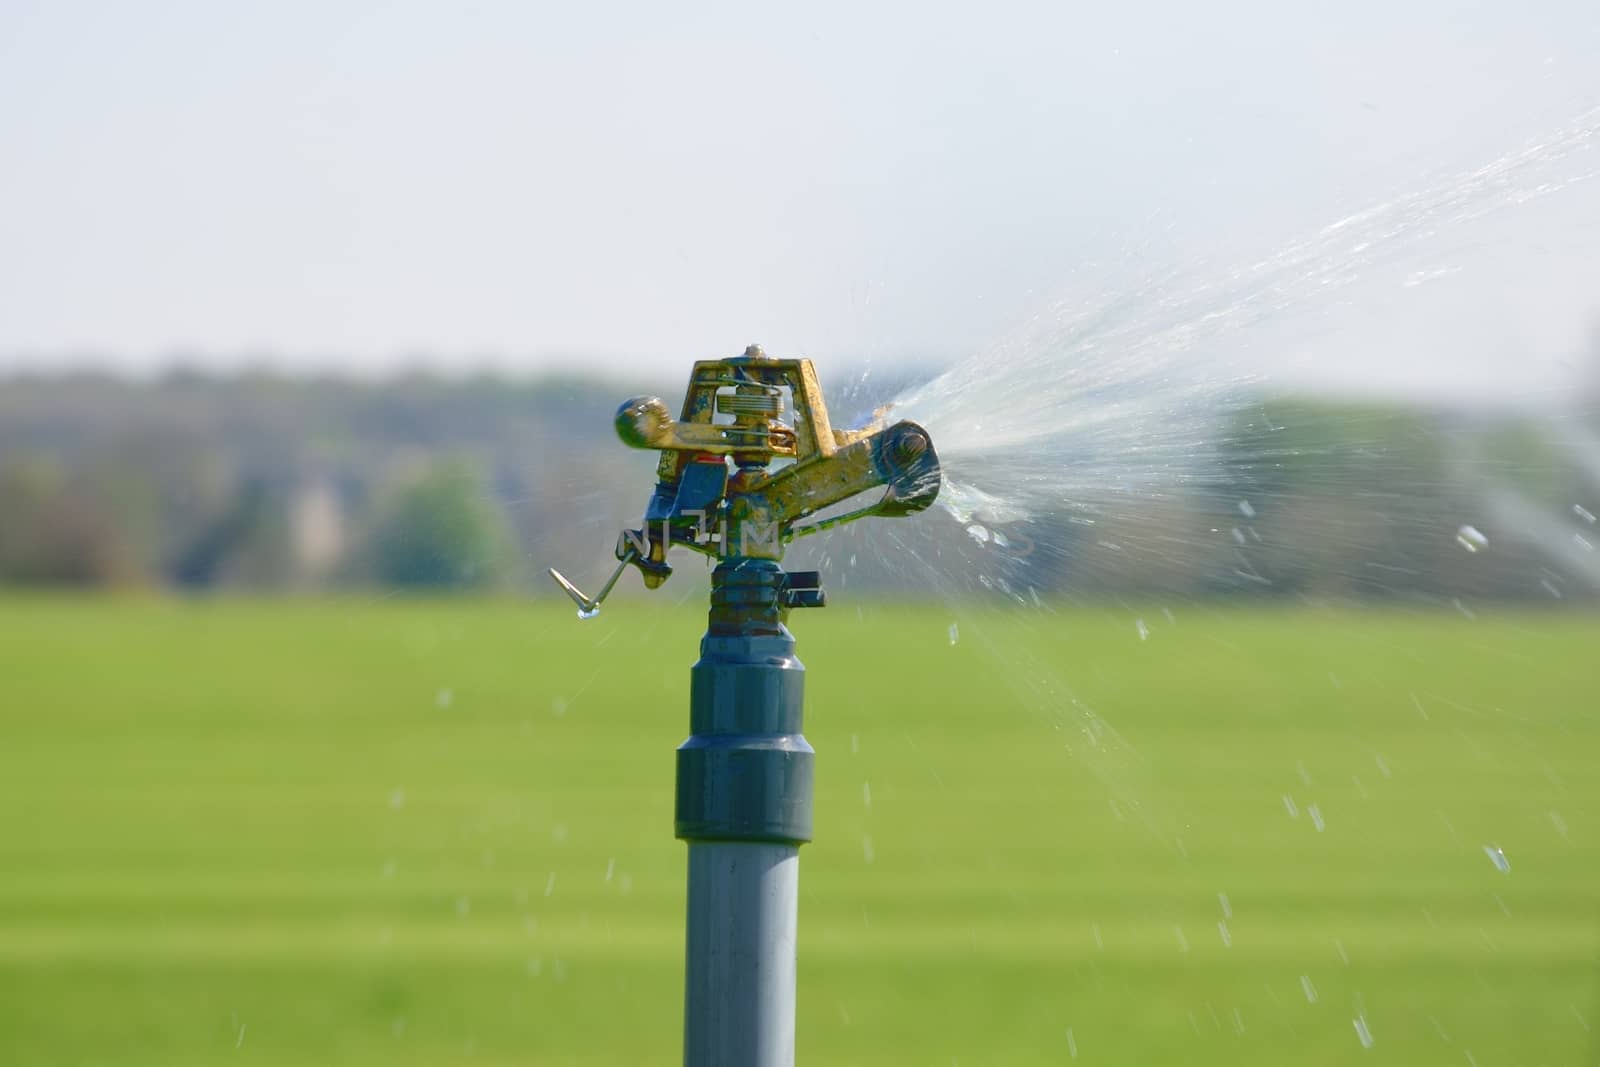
(738, 482)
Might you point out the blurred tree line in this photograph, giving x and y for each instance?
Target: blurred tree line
(198, 481)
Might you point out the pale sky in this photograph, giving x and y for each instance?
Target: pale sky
(367, 186)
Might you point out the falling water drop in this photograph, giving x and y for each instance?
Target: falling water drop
(1583, 513)
(1363, 1033)
(1471, 539)
(1498, 858)
(588, 613)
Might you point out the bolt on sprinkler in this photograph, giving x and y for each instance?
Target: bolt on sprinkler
(744, 780)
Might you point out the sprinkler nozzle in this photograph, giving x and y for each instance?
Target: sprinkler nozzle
(911, 445)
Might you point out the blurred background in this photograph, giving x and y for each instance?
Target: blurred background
(1235, 705)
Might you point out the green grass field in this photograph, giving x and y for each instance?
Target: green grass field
(438, 832)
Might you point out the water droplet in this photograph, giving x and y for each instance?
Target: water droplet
(1227, 909)
(588, 613)
(1363, 1034)
(1308, 989)
(558, 833)
(978, 533)
(558, 707)
(1338, 948)
(1288, 806)
(1383, 768)
(463, 905)
(550, 884)
(611, 868)
(1072, 1045)
(866, 849)
(866, 794)
(1583, 513)
(1099, 942)
(1183, 942)
(1246, 510)
(1471, 539)
(390, 866)
(1227, 937)
(1316, 817)
(1498, 858)
(1583, 542)
(855, 744)
(955, 633)
(1144, 631)
(1300, 769)
(536, 967)
(444, 698)
(397, 799)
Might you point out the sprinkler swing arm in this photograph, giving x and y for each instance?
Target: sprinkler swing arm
(751, 511)
(740, 489)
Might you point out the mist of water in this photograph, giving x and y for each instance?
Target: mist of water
(1116, 394)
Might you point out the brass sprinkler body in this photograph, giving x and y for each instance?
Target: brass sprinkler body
(736, 478)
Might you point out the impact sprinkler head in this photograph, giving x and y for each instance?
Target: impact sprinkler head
(717, 492)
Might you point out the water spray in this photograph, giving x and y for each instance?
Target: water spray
(738, 482)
